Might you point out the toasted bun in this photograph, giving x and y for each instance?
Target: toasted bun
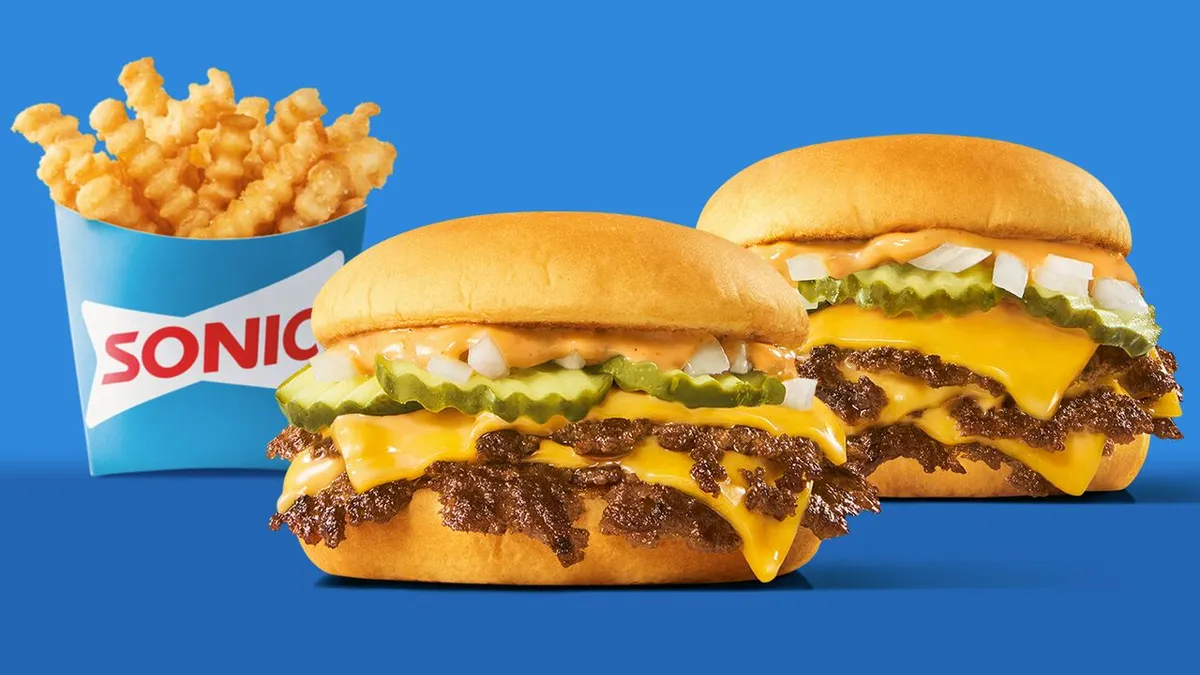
(904, 477)
(416, 546)
(589, 270)
(865, 187)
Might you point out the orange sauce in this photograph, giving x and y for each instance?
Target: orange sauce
(844, 258)
(527, 347)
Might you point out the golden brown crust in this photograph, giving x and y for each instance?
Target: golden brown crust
(861, 188)
(416, 546)
(904, 477)
(591, 270)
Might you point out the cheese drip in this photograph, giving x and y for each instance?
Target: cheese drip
(308, 476)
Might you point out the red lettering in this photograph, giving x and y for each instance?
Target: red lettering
(113, 349)
(218, 337)
(191, 350)
(271, 341)
(293, 350)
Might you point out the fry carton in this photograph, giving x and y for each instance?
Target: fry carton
(180, 343)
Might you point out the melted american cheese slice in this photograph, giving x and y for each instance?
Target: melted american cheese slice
(1035, 360)
(377, 450)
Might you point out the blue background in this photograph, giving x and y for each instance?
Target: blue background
(613, 107)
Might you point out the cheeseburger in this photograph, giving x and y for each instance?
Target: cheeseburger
(560, 398)
(973, 320)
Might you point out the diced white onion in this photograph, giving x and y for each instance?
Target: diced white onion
(1064, 275)
(333, 366)
(740, 363)
(572, 361)
(709, 359)
(450, 369)
(1119, 296)
(800, 393)
(950, 258)
(1010, 274)
(485, 358)
(807, 267)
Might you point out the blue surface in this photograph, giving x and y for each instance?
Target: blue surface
(635, 110)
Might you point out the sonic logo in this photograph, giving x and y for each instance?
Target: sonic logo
(255, 340)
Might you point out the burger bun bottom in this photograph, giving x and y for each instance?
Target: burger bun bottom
(904, 477)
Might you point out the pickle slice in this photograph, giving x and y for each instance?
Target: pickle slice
(900, 288)
(727, 390)
(537, 393)
(313, 405)
(1135, 333)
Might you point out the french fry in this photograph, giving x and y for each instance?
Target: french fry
(106, 198)
(224, 177)
(256, 107)
(370, 162)
(158, 178)
(355, 126)
(51, 170)
(255, 211)
(326, 187)
(45, 125)
(59, 136)
(299, 106)
(181, 126)
(144, 92)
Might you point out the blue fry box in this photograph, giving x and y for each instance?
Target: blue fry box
(179, 343)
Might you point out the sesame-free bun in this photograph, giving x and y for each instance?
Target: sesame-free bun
(585, 270)
(904, 477)
(861, 188)
(416, 546)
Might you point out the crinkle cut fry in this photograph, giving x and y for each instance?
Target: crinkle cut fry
(326, 187)
(225, 175)
(60, 138)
